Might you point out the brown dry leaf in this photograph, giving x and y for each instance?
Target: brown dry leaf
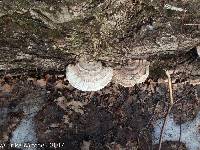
(60, 43)
(66, 121)
(1, 81)
(152, 88)
(60, 84)
(4, 136)
(8, 76)
(7, 88)
(195, 82)
(41, 83)
(47, 77)
(162, 81)
(107, 91)
(31, 79)
(61, 102)
(54, 125)
(111, 101)
(85, 145)
(114, 146)
(76, 106)
(117, 147)
(175, 86)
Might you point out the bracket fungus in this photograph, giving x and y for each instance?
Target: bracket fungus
(89, 75)
(134, 73)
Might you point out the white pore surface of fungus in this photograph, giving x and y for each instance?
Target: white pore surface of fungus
(89, 76)
(135, 73)
(189, 132)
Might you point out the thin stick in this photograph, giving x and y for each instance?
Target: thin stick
(179, 140)
(170, 88)
(169, 109)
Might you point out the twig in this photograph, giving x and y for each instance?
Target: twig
(169, 109)
(179, 140)
(170, 88)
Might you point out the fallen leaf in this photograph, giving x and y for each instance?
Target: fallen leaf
(76, 106)
(60, 85)
(41, 83)
(7, 88)
(54, 125)
(85, 145)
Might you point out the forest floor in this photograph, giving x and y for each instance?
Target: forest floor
(112, 118)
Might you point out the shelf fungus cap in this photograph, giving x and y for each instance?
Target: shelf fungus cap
(89, 75)
(134, 73)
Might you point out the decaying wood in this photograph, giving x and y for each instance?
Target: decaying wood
(47, 35)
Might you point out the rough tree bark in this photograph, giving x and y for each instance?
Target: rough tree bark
(48, 34)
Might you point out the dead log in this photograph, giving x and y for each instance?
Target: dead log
(39, 35)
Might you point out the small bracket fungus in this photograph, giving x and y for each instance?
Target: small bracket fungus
(134, 73)
(89, 75)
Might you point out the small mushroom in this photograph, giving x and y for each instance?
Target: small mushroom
(89, 75)
(134, 73)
